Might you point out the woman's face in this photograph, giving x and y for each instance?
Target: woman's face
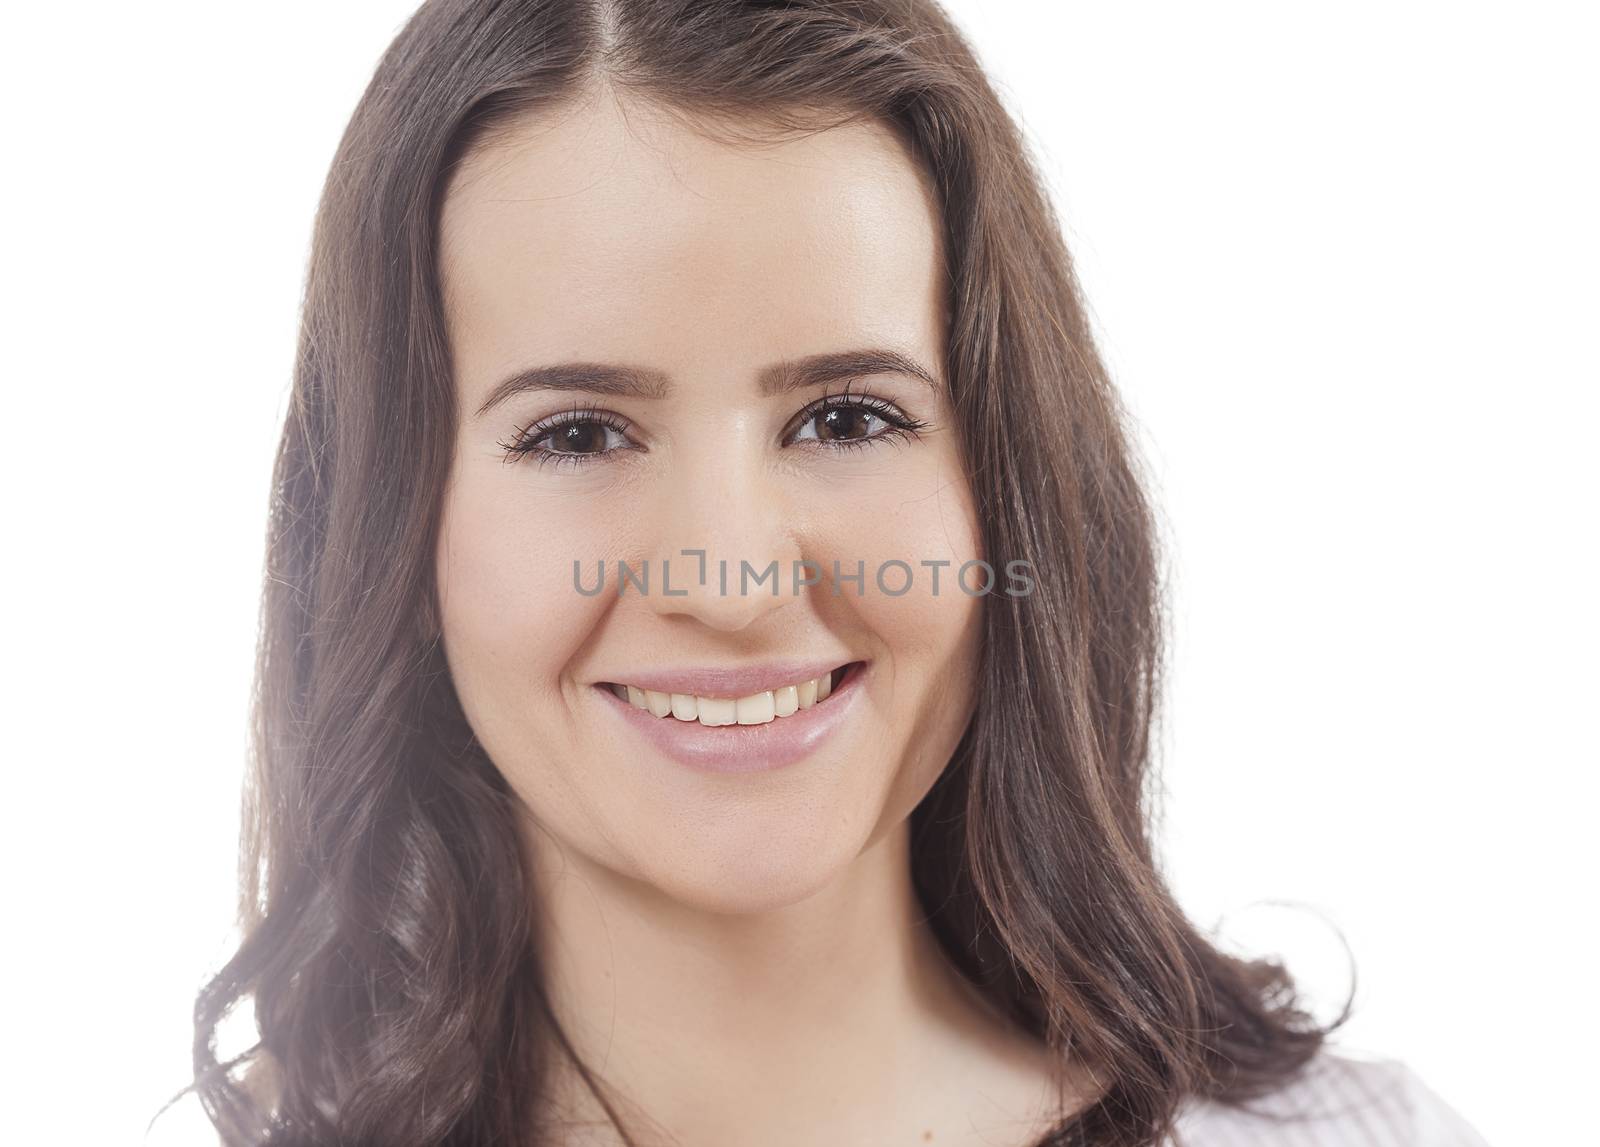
(605, 235)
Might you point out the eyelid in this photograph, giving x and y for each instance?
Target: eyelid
(576, 413)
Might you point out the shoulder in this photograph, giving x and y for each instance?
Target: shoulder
(1341, 1099)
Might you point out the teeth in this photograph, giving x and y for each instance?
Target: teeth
(716, 710)
(756, 709)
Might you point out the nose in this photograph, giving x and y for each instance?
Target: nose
(725, 530)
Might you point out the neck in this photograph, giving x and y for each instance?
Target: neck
(833, 1019)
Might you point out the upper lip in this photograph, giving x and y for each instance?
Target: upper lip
(728, 681)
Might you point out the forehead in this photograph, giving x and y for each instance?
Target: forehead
(607, 230)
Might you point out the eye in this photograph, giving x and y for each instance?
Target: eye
(583, 435)
(846, 422)
(575, 437)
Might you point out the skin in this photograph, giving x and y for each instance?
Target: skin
(741, 957)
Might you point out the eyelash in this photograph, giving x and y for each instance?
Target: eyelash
(523, 443)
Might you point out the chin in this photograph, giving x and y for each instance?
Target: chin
(753, 872)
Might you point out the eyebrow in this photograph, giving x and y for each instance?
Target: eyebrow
(643, 382)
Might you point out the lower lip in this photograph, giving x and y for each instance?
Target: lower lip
(745, 748)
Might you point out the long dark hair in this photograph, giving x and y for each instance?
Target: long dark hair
(387, 933)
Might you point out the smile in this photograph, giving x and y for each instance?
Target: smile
(761, 730)
(754, 709)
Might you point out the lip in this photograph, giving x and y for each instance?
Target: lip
(744, 748)
(717, 681)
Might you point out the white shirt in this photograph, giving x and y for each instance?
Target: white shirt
(1343, 1099)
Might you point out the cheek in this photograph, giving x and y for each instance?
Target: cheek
(510, 615)
(927, 639)
(912, 533)
(909, 533)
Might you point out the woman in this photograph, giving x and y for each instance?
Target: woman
(563, 831)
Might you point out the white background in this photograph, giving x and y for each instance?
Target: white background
(1342, 259)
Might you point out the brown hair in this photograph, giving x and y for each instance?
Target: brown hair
(388, 942)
